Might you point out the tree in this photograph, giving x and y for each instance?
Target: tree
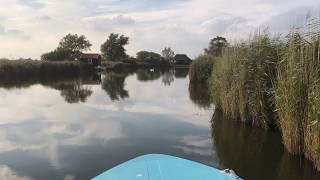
(149, 57)
(74, 44)
(58, 54)
(168, 54)
(216, 46)
(113, 49)
(70, 48)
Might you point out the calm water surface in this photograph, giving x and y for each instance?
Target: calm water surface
(74, 129)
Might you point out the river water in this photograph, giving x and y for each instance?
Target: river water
(75, 129)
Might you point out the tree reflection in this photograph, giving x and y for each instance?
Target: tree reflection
(181, 72)
(200, 94)
(255, 153)
(113, 83)
(168, 77)
(73, 91)
(148, 74)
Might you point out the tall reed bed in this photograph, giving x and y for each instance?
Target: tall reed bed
(269, 82)
(298, 92)
(242, 80)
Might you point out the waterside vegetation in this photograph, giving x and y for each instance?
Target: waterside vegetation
(20, 70)
(274, 82)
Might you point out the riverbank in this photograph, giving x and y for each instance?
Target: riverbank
(24, 73)
(274, 83)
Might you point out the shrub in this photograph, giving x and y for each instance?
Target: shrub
(201, 68)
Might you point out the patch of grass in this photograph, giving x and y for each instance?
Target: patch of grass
(26, 72)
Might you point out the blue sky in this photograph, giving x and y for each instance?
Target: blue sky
(29, 28)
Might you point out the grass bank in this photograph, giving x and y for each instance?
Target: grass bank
(25, 72)
(271, 82)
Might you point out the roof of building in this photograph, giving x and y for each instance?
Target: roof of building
(181, 57)
(90, 56)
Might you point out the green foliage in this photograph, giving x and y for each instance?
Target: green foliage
(70, 48)
(216, 46)
(113, 49)
(201, 68)
(298, 92)
(58, 54)
(266, 81)
(242, 80)
(75, 44)
(150, 57)
(27, 72)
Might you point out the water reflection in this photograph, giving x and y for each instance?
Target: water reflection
(255, 153)
(148, 74)
(113, 84)
(121, 117)
(199, 94)
(181, 72)
(73, 91)
(57, 140)
(168, 77)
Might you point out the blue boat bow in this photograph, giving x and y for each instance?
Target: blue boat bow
(164, 167)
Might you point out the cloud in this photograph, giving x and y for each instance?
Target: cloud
(35, 4)
(297, 17)
(14, 33)
(44, 18)
(107, 23)
(225, 24)
(2, 30)
(186, 25)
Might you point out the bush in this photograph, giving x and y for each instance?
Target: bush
(58, 54)
(201, 68)
(146, 58)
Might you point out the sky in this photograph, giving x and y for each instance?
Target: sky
(28, 28)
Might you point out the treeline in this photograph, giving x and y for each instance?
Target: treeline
(23, 72)
(274, 82)
(71, 46)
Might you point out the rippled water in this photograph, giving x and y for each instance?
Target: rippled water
(77, 128)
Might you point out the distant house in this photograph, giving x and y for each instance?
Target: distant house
(182, 59)
(91, 59)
